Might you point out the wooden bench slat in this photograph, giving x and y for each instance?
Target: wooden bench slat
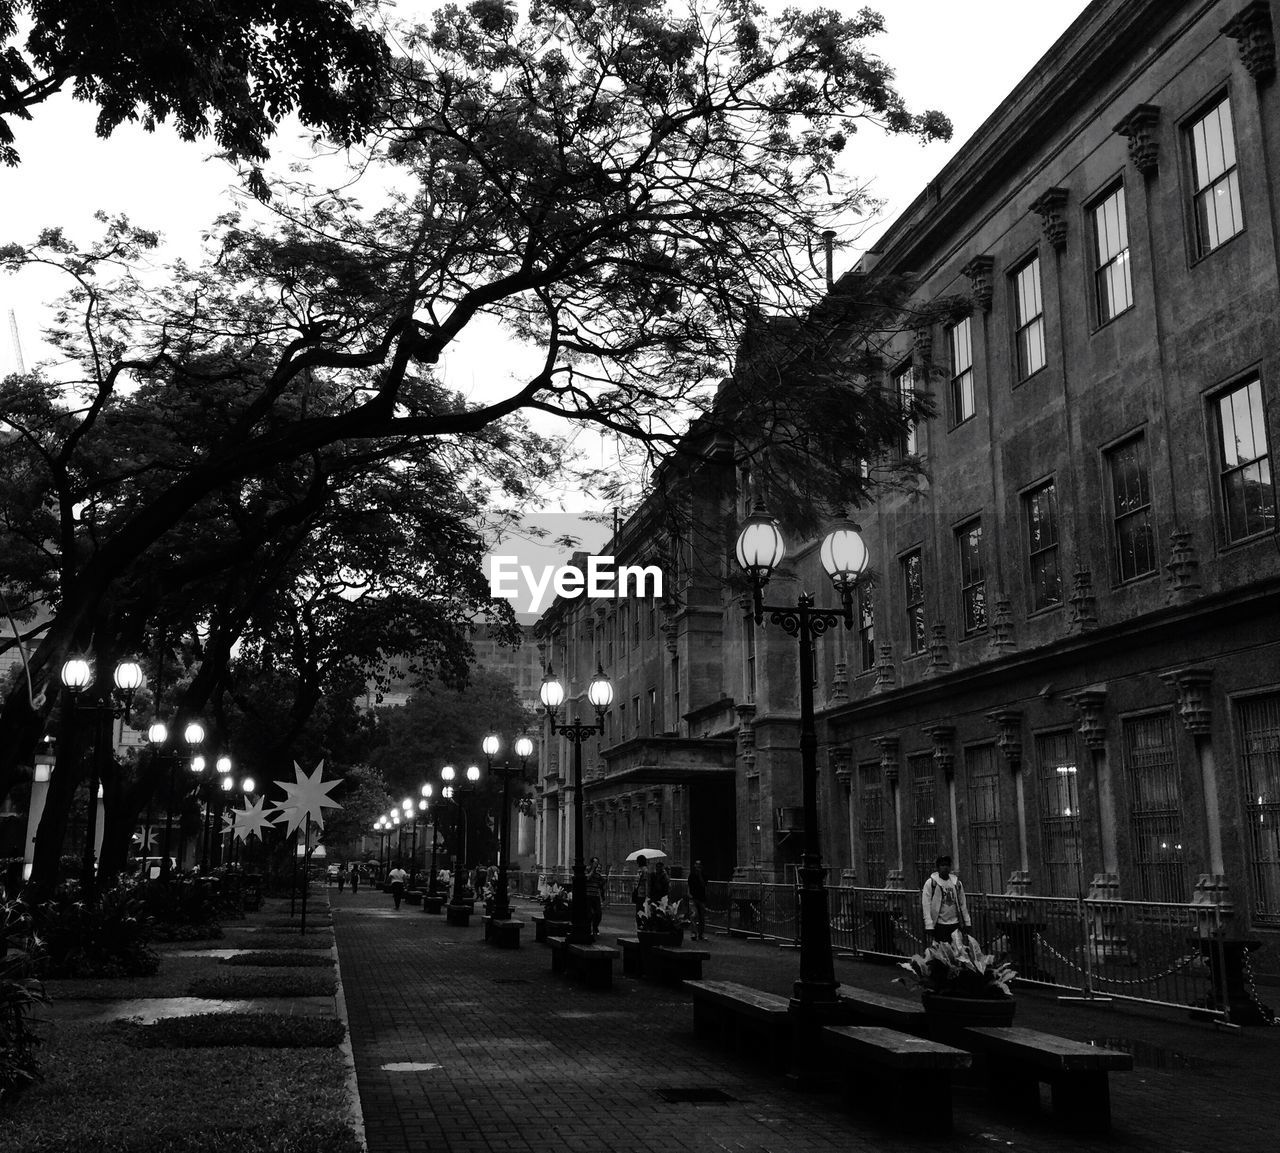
(1046, 1050)
(889, 1048)
(882, 1008)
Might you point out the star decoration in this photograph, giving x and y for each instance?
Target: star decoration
(306, 798)
(251, 820)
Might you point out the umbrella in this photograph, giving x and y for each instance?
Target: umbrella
(647, 854)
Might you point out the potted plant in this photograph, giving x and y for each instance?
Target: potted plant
(556, 910)
(960, 984)
(660, 923)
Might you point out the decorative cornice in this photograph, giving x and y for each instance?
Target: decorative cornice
(1183, 567)
(1194, 707)
(888, 757)
(1002, 623)
(1089, 705)
(939, 652)
(1084, 604)
(979, 271)
(1251, 28)
(944, 756)
(1140, 127)
(885, 675)
(1008, 723)
(1050, 206)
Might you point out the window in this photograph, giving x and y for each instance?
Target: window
(653, 712)
(635, 624)
(960, 343)
(1028, 315)
(653, 617)
(973, 581)
(1112, 279)
(635, 713)
(749, 643)
(983, 777)
(913, 588)
(1155, 808)
(622, 630)
(924, 818)
(904, 387)
(622, 722)
(866, 628)
(1248, 496)
(1259, 725)
(1040, 507)
(753, 821)
(676, 719)
(1060, 845)
(871, 809)
(1131, 509)
(1215, 182)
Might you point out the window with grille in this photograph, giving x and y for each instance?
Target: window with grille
(1040, 513)
(1113, 284)
(866, 628)
(1258, 719)
(871, 824)
(1214, 179)
(1028, 318)
(1155, 809)
(749, 643)
(753, 820)
(677, 721)
(1060, 844)
(913, 590)
(960, 346)
(904, 387)
(653, 712)
(982, 776)
(924, 813)
(653, 618)
(1135, 542)
(973, 580)
(1248, 495)
(635, 713)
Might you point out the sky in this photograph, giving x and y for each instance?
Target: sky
(961, 58)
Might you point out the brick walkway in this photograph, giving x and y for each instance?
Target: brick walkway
(523, 1062)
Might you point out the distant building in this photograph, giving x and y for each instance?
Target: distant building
(1064, 671)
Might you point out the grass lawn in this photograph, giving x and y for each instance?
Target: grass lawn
(234, 984)
(274, 939)
(176, 974)
(102, 1094)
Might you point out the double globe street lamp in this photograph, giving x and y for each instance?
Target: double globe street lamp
(600, 695)
(459, 909)
(760, 549)
(524, 750)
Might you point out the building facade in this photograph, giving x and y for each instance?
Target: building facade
(1065, 669)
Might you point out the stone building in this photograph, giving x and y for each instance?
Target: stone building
(1065, 665)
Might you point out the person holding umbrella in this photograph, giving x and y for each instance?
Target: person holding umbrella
(640, 890)
(660, 882)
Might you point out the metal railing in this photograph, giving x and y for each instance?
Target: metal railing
(1159, 953)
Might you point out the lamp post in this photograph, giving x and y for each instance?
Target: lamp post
(193, 735)
(77, 675)
(411, 819)
(457, 900)
(760, 549)
(427, 791)
(222, 794)
(600, 694)
(523, 750)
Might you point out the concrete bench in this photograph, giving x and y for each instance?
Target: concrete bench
(1018, 1059)
(413, 897)
(590, 964)
(543, 928)
(866, 1007)
(669, 963)
(505, 934)
(459, 914)
(905, 1079)
(736, 1015)
(432, 904)
(630, 956)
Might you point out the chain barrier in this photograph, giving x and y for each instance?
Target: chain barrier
(1179, 964)
(1267, 1013)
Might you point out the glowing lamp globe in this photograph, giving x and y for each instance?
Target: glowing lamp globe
(844, 555)
(447, 773)
(77, 674)
(760, 546)
(193, 734)
(427, 790)
(197, 764)
(249, 785)
(600, 691)
(491, 745)
(473, 773)
(128, 676)
(552, 692)
(224, 764)
(228, 783)
(524, 747)
(158, 733)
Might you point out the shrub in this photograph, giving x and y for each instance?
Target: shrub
(19, 993)
(281, 960)
(105, 939)
(211, 931)
(179, 901)
(220, 1030)
(230, 986)
(317, 940)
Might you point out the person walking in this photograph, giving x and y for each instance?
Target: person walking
(595, 895)
(342, 878)
(640, 890)
(397, 877)
(942, 901)
(355, 879)
(660, 882)
(698, 899)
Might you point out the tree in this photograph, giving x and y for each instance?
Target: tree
(227, 68)
(364, 798)
(631, 191)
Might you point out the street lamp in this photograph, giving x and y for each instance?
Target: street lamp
(427, 791)
(411, 816)
(523, 750)
(760, 549)
(77, 675)
(600, 695)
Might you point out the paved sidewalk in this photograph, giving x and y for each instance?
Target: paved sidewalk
(502, 1056)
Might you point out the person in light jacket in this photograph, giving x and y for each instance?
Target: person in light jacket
(942, 900)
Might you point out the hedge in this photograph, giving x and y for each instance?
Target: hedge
(281, 960)
(219, 1030)
(286, 983)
